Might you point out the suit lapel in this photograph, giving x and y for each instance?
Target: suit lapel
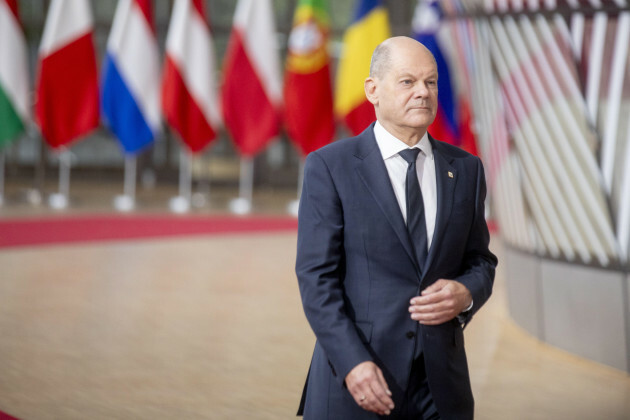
(446, 179)
(372, 171)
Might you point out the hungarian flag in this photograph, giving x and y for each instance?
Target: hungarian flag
(189, 97)
(425, 26)
(307, 86)
(252, 87)
(14, 101)
(131, 81)
(369, 27)
(67, 83)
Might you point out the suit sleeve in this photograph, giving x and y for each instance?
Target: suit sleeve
(320, 268)
(478, 266)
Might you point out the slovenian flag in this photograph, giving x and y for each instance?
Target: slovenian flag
(425, 26)
(252, 86)
(369, 28)
(131, 80)
(14, 101)
(189, 97)
(66, 103)
(307, 86)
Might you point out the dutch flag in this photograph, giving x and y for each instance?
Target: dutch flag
(131, 76)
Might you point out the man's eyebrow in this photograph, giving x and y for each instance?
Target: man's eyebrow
(413, 76)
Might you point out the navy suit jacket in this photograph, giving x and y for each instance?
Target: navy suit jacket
(357, 273)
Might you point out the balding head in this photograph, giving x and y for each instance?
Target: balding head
(386, 51)
(403, 87)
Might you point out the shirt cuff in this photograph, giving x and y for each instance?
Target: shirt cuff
(461, 318)
(469, 307)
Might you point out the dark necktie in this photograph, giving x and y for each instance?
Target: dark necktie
(416, 224)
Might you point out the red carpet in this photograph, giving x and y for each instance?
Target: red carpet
(68, 229)
(5, 416)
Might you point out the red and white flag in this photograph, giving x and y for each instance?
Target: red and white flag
(66, 106)
(189, 97)
(252, 86)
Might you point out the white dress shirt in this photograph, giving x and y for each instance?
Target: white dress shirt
(397, 170)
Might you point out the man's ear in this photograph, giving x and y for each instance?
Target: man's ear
(370, 90)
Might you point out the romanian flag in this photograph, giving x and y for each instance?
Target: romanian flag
(67, 105)
(14, 94)
(369, 28)
(310, 122)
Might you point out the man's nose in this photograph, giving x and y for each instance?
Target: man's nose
(421, 90)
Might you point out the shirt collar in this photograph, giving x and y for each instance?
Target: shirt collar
(390, 145)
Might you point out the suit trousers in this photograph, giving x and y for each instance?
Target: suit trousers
(418, 402)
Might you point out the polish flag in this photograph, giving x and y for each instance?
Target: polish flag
(131, 76)
(189, 97)
(252, 86)
(66, 104)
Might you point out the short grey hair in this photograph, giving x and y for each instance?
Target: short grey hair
(380, 60)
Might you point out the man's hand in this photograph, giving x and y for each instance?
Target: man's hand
(440, 302)
(369, 389)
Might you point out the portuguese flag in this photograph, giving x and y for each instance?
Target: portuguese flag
(307, 90)
(14, 102)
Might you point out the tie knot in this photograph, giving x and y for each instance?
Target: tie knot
(410, 155)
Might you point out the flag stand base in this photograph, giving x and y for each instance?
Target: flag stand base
(124, 203)
(199, 200)
(292, 207)
(34, 197)
(179, 204)
(58, 201)
(127, 201)
(241, 206)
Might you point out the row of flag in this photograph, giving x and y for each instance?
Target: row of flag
(134, 93)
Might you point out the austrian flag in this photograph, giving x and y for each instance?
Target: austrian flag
(188, 89)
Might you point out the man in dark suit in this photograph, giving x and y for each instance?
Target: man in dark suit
(393, 257)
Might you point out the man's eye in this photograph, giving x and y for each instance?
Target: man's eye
(407, 82)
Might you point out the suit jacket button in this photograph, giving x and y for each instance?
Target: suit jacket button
(410, 334)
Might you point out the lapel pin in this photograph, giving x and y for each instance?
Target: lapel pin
(450, 174)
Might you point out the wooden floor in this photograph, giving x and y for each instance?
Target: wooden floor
(212, 328)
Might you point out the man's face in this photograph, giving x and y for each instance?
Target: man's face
(405, 95)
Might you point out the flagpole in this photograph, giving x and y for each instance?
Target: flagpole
(181, 203)
(35, 195)
(294, 205)
(243, 204)
(201, 196)
(127, 201)
(59, 200)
